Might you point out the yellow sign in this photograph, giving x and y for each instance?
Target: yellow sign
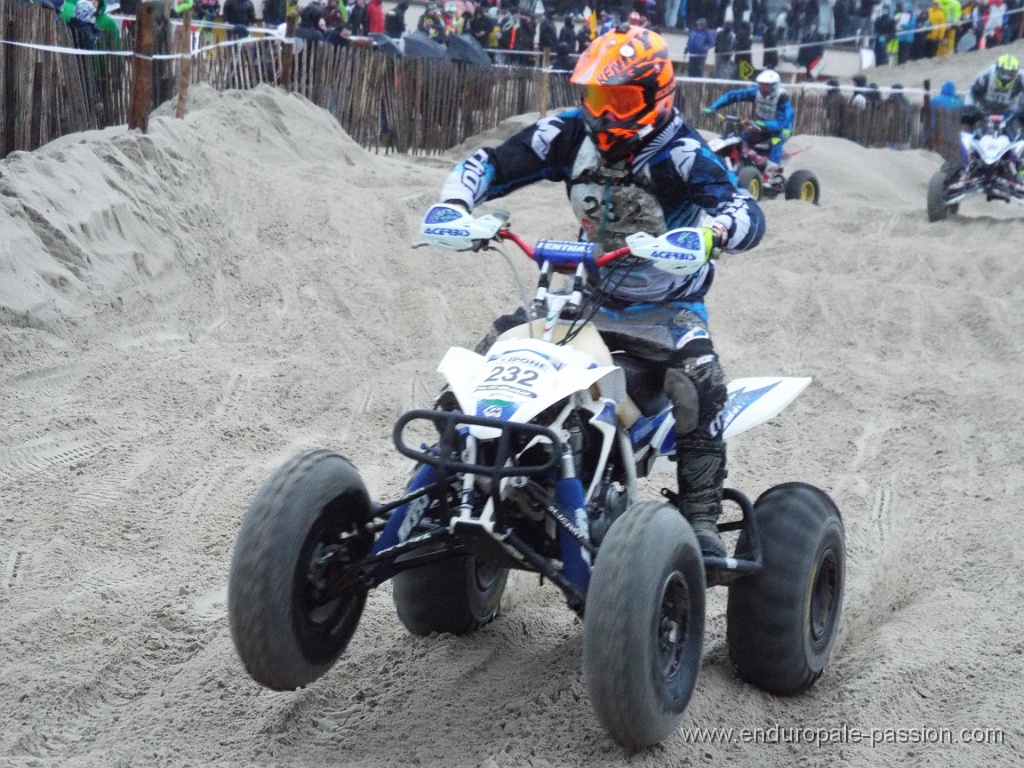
(746, 70)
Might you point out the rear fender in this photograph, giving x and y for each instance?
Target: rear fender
(754, 401)
(718, 144)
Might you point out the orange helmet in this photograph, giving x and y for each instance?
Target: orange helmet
(628, 87)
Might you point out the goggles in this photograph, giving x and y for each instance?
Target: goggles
(621, 101)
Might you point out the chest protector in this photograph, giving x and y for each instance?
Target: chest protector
(613, 202)
(767, 107)
(996, 97)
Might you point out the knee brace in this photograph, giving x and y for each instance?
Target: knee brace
(697, 390)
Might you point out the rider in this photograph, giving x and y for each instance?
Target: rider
(631, 164)
(773, 118)
(996, 90)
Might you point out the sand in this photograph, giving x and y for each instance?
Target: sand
(183, 310)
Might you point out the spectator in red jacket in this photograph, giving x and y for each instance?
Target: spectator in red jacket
(375, 17)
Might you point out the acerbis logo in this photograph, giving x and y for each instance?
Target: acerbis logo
(446, 232)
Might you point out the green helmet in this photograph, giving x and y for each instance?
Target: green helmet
(1007, 67)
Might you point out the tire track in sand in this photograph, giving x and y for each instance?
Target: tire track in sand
(48, 453)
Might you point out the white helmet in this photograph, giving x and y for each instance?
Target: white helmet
(768, 81)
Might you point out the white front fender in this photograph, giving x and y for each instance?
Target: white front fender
(576, 371)
(460, 366)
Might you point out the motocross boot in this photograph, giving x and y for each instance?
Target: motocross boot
(773, 175)
(700, 469)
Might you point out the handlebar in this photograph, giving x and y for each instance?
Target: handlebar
(547, 254)
(680, 251)
(741, 121)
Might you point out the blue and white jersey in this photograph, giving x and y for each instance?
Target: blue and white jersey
(775, 110)
(675, 181)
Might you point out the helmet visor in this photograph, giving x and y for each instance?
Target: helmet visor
(620, 101)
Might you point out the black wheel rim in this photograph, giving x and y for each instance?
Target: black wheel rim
(327, 554)
(673, 622)
(320, 613)
(487, 575)
(825, 591)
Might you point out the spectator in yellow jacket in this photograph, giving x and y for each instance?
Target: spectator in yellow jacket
(937, 30)
(952, 9)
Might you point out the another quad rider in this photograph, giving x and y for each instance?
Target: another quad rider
(630, 164)
(998, 90)
(773, 119)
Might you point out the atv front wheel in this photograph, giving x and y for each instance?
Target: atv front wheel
(643, 630)
(803, 185)
(457, 596)
(937, 208)
(782, 621)
(750, 180)
(303, 527)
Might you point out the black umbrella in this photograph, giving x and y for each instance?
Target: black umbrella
(467, 49)
(419, 45)
(385, 44)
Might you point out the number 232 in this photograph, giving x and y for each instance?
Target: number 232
(512, 373)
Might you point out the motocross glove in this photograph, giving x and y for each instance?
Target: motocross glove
(715, 238)
(761, 124)
(708, 111)
(457, 203)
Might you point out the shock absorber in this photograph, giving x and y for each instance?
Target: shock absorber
(576, 441)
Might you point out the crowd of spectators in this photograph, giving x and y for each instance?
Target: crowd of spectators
(900, 31)
(509, 28)
(727, 29)
(844, 111)
(895, 32)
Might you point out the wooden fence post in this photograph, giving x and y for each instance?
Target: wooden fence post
(142, 66)
(545, 81)
(926, 116)
(184, 63)
(289, 52)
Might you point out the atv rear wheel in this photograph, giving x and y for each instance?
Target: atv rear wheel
(643, 630)
(750, 180)
(803, 185)
(457, 596)
(782, 621)
(303, 527)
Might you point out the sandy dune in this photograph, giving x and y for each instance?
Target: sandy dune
(181, 311)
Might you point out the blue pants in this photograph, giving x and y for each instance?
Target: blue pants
(775, 139)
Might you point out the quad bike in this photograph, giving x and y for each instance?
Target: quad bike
(750, 162)
(532, 463)
(990, 157)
